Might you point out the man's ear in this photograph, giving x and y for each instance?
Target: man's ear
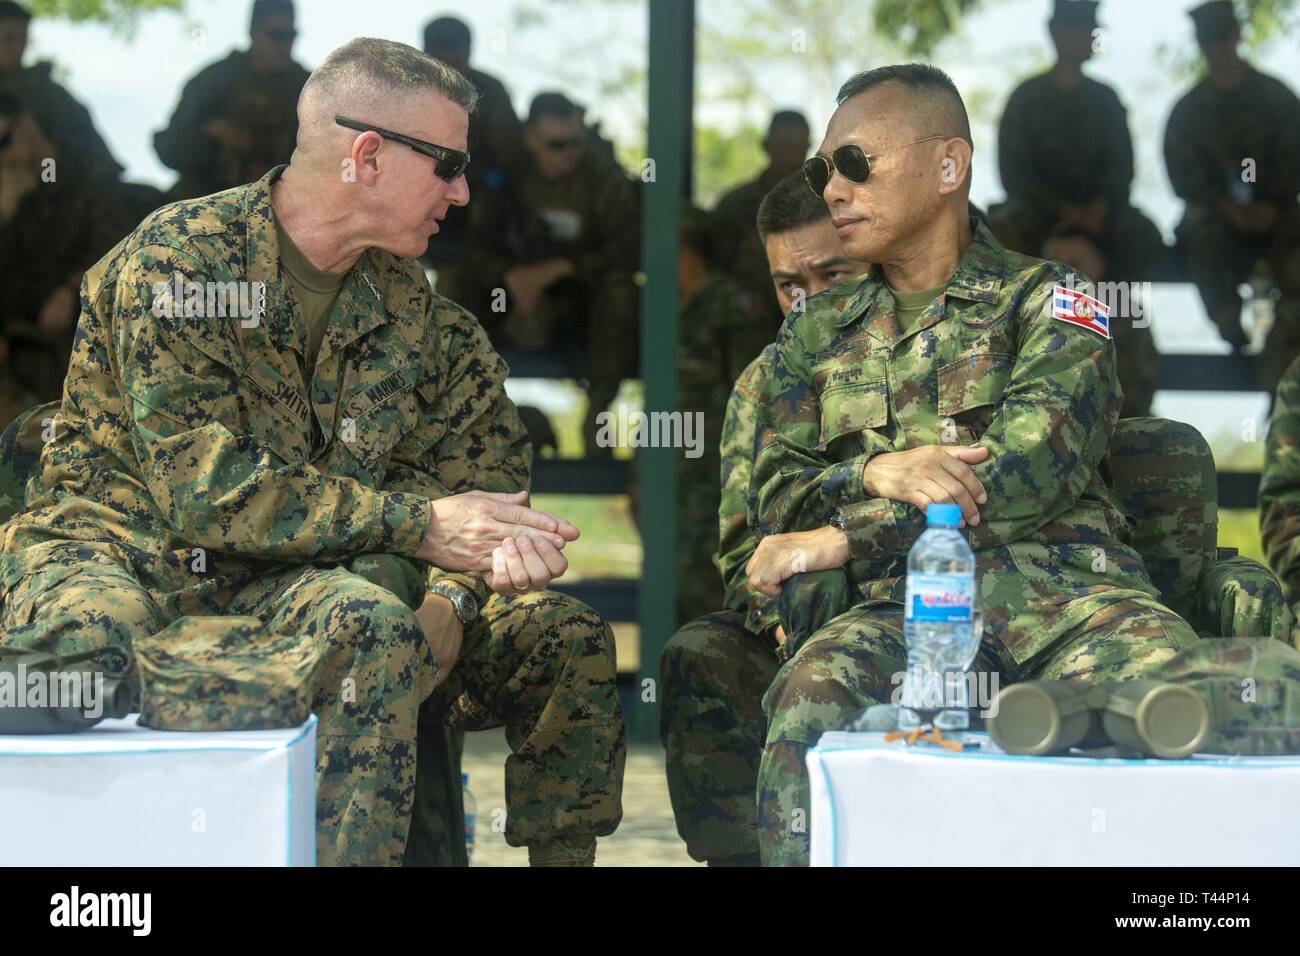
(954, 164)
(365, 157)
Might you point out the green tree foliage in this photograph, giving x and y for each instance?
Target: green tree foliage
(121, 13)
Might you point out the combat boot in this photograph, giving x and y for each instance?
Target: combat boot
(572, 850)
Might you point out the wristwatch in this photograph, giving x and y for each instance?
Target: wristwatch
(463, 602)
(836, 520)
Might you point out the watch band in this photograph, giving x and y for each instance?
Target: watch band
(463, 602)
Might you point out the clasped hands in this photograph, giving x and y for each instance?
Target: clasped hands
(929, 474)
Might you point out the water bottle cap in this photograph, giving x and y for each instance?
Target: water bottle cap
(943, 515)
(464, 780)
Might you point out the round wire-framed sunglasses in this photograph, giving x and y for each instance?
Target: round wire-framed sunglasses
(850, 161)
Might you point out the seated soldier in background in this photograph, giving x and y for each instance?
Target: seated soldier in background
(550, 260)
(720, 333)
(275, 485)
(1279, 486)
(65, 121)
(495, 136)
(1137, 362)
(1066, 157)
(945, 375)
(56, 220)
(716, 668)
(237, 117)
(735, 244)
(1232, 148)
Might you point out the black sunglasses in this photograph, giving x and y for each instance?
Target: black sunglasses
(449, 163)
(563, 144)
(281, 36)
(850, 161)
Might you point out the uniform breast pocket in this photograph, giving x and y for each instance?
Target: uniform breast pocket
(969, 392)
(847, 410)
(373, 435)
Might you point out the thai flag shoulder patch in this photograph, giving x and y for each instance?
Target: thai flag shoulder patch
(1078, 308)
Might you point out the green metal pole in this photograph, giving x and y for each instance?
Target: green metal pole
(672, 53)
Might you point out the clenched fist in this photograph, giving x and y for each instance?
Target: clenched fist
(931, 474)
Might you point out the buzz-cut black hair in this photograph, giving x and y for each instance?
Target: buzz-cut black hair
(790, 205)
(446, 33)
(551, 103)
(929, 81)
(788, 118)
(12, 11)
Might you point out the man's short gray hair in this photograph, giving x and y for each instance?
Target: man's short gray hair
(367, 69)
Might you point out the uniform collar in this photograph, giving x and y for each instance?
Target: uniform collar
(978, 277)
(368, 302)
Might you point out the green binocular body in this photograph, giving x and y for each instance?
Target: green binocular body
(1153, 718)
(43, 693)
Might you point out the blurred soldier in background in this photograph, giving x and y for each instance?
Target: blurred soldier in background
(236, 118)
(55, 222)
(550, 259)
(1137, 361)
(65, 121)
(1066, 158)
(721, 332)
(716, 668)
(495, 136)
(1233, 152)
(735, 243)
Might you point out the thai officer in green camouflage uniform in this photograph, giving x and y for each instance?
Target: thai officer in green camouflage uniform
(1279, 486)
(941, 377)
(284, 478)
(716, 668)
(236, 117)
(1232, 148)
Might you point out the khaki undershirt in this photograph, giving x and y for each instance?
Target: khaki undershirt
(315, 290)
(908, 306)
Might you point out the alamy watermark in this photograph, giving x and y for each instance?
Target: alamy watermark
(40, 688)
(182, 298)
(626, 428)
(1123, 300)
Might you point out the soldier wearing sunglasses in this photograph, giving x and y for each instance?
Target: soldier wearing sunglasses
(562, 241)
(237, 117)
(945, 375)
(338, 447)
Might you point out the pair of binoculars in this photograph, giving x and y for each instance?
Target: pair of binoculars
(1153, 718)
(68, 692)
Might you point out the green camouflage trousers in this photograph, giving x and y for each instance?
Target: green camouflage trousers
(850, 664)
(541, 664)
(713, 675)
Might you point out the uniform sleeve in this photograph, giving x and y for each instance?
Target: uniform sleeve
(1279, 487)
(482, 446)
(219, 487)
(1052, 426)
(736, 539)
(1117, 169)
(795, 486)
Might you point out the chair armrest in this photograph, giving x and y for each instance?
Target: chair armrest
(1239, 597)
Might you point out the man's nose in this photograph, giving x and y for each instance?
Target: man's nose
(838, 189)
(458, 191)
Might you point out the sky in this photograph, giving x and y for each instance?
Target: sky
(131, 82)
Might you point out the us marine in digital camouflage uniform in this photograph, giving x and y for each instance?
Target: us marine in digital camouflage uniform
(1232, 149)
(236, 117)
(715, 668)
(942, 376)
(279, 486)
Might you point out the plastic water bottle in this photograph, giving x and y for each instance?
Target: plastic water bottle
(938, 624)
(471, 809)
